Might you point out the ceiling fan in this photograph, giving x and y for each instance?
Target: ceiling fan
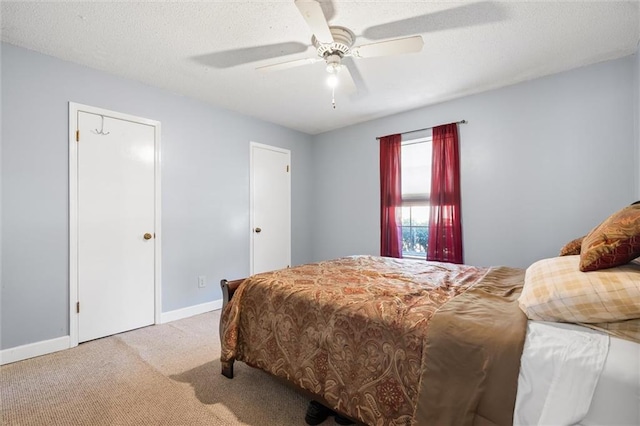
(334, 43)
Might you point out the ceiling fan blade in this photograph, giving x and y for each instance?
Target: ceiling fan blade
(391, 47)
(288, 64)
(361, 86)
(347, 84)
(312, 13)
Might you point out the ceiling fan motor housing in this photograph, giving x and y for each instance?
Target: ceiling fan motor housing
(343, 39)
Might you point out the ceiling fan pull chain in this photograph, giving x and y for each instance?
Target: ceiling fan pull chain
(333, 97)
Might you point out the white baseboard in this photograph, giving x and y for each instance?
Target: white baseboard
(31, 350)
(44, 347)
(190, 311)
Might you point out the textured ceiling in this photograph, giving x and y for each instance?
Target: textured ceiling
(209, 50)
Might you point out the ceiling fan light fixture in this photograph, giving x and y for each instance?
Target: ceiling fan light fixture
(332, 80)
(334, 68)
(333, 63)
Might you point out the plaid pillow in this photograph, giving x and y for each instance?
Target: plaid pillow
(614, 242)
(555, 290)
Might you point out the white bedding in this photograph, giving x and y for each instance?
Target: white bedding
(616, 400)
(572, 375)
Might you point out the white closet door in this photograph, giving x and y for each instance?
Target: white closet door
(116, 208)
(271, 208)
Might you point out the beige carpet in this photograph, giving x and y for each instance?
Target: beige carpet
(160, 375)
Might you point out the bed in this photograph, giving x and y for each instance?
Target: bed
(407, 342)
(357, 332)
(453, 360)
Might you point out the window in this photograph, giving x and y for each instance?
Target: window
(416, 185)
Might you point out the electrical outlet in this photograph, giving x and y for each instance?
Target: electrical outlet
(202, 281)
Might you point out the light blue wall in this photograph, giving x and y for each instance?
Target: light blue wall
(205, 189)
(542, 163)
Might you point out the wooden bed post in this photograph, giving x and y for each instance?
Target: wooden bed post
(227, 369)
(228, 289)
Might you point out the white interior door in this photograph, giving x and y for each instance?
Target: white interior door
(270, 207)
(115, 225)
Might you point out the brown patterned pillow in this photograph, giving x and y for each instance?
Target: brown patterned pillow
(572, 248)
(614, 242)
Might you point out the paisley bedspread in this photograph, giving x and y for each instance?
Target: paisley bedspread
(386, 341)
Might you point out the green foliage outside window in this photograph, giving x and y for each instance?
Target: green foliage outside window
(415, 240)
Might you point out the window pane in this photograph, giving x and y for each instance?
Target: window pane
(415, 230)
(415, 240)
(421, 238)
(416, 185)
(407, 240)
(419, 215)
(416, 169)
(406, 216)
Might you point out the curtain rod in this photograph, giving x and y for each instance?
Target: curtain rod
(420, 130)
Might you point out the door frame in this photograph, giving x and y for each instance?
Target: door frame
(74, 109)
(251, 206)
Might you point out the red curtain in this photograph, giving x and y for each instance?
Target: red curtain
(390, 197)
(445, 225)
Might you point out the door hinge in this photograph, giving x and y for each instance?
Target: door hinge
(287, 168)
(77, 307)
(77, 135)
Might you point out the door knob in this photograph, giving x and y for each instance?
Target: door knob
(147, 236)
(258, 230)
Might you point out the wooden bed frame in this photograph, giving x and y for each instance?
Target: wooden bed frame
(228, 289)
